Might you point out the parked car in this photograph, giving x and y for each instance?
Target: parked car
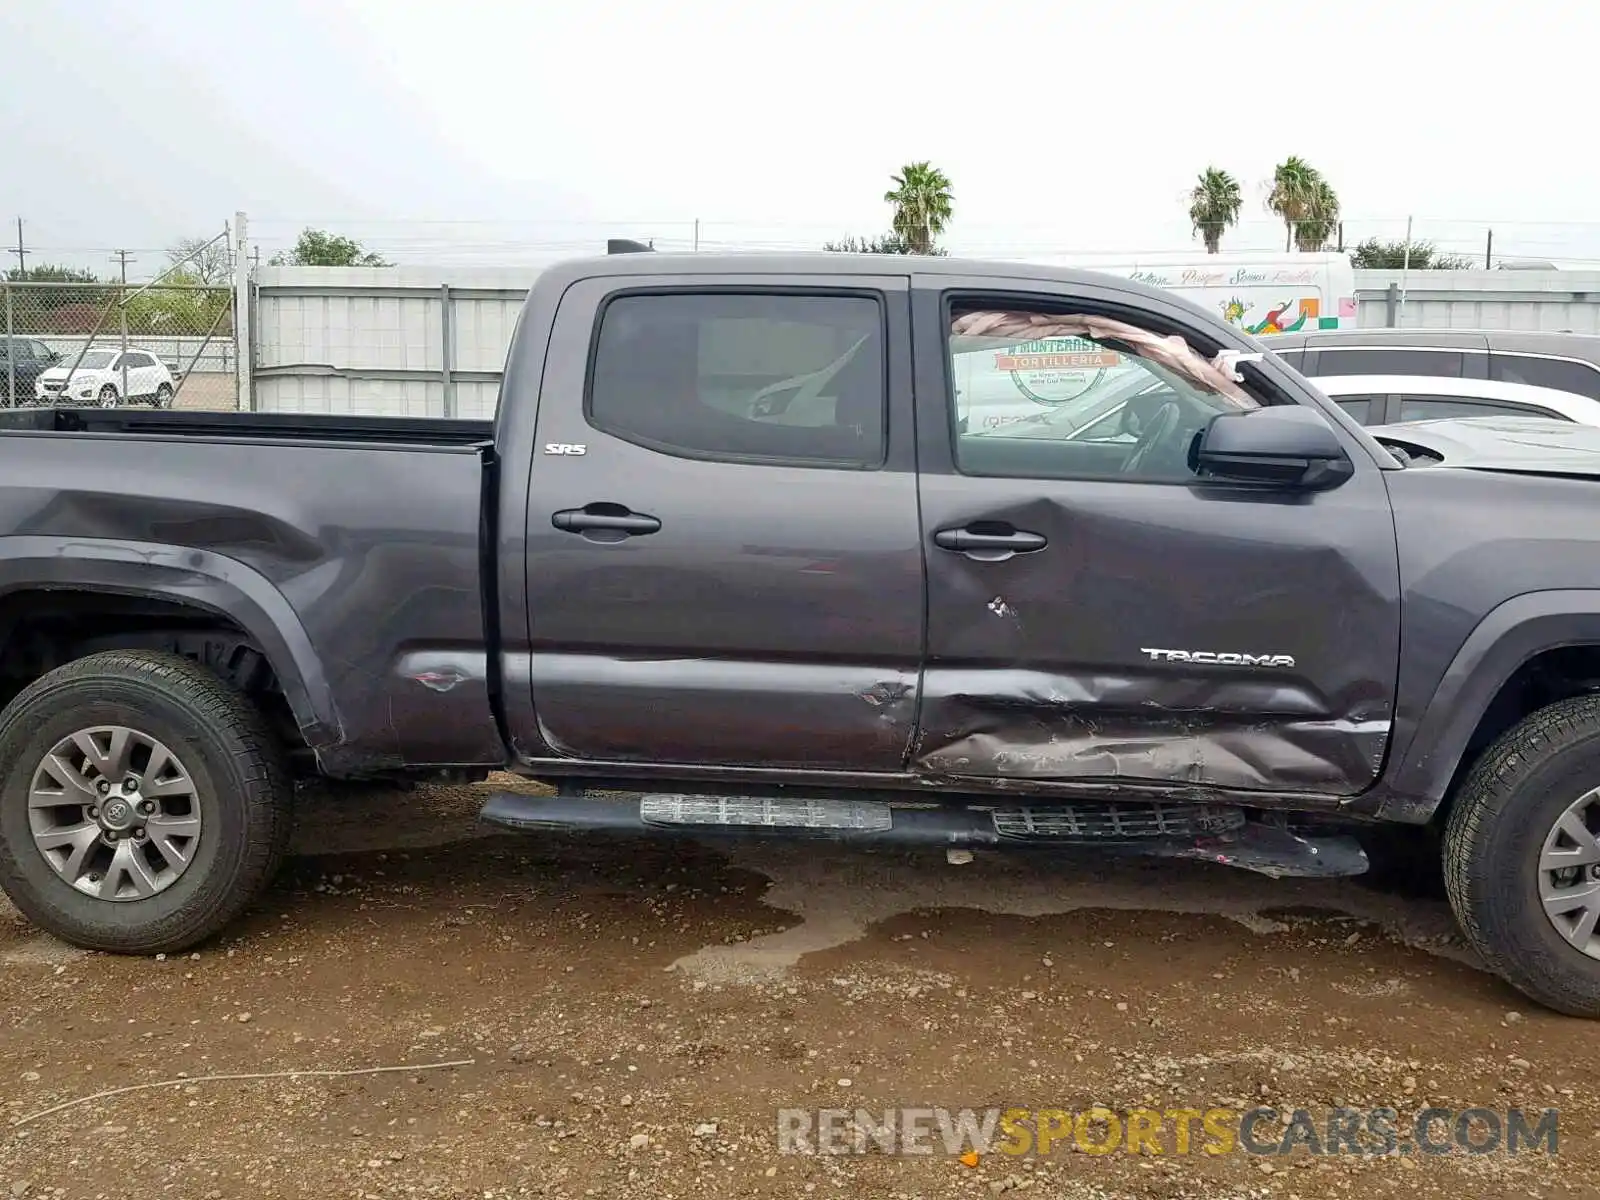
(22, 361)
(1569, 362)
(1387, 399)
(1235, 634)
(107, 378)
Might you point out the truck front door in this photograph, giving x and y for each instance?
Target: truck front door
(724, 558)
(1097, 613)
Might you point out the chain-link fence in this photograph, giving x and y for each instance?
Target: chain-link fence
(164, 345)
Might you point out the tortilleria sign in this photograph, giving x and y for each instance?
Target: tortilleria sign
(1056, 370)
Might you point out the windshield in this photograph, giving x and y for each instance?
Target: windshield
(96, 359)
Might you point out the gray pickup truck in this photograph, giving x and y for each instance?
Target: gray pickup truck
(733, 558)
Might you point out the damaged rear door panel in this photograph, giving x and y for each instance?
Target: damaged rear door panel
(1096, 612)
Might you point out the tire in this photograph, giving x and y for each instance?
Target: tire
(239, 788)
(1508, 804)
(108, 396)
(163, 397)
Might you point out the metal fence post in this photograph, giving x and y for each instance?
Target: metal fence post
(11, 349)
(1391, 305)
(447, 363)
(241, 315)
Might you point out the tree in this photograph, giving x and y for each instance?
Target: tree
(211, 266)
(1321, 222)
(1305, 202)
(50, 273)
(318, 248)
(922, 205)
(1214, 205)
(178, 305)
(1373, 255)
(73, 307)
(888, 243)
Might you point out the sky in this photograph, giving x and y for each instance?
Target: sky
(485, 133)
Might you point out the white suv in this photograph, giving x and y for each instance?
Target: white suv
(107, 378)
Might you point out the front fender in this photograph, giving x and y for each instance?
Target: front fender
(1510, 635)
(198, 578)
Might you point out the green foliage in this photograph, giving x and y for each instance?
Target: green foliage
(922, 203)
(1305, 202)
(319, 248)
(888, 243)
(180, 304)
(1214, 206)
(1374, 255)
(50, 273)
(71, 307)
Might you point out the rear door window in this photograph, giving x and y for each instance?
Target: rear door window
(1436, 364)
(1563, 374)
(781, 378)
(1433, 408)
(1366, 409)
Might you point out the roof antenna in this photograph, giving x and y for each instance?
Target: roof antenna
(628, 246)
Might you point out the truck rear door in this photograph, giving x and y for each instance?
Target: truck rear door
(723, 548)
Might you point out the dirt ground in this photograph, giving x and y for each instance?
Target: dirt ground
(627, 1020)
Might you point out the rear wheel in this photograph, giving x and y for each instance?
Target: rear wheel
(108, 396)
(164, 396)
(144, 803)
(1522, 856)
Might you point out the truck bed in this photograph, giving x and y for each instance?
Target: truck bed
(319, 427)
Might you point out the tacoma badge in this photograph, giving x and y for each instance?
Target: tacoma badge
(1218, 658)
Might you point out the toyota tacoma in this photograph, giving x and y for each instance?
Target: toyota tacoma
(740, 555)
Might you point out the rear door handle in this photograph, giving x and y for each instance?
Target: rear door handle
(988, 545)
(604, 522)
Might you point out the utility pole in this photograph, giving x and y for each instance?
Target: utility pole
(21, 252)
(1488, 252)
(121, 259)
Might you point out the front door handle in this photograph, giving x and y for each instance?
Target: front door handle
(604, 522)
(991, 544)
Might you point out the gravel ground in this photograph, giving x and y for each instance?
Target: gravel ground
(627, 1020)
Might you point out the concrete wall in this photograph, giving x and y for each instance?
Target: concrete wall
(389, 341)
(418, 341)
(1548, 301)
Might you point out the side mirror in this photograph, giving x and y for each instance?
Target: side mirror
(1287, 446)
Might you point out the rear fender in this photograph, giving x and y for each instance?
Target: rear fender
(196, 578)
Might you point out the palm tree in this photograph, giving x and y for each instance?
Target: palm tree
(1214, 206)
(1296, 189)
(922, 204)
(1316, 228)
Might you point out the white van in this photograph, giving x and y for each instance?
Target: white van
(1068, 378)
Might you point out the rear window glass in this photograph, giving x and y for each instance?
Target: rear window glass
(1436, 364)
(1559, 373)
(754, 377)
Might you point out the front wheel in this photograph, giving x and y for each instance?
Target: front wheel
(144, 803)
(1522, 856)
(108, 396)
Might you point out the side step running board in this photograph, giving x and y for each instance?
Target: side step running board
(1204, 833)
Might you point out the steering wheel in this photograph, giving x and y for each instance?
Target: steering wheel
(1161, 427)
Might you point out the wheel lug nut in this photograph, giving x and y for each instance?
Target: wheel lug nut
(147, 807)
(93, 812)
(130, 784)
(103, 786)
